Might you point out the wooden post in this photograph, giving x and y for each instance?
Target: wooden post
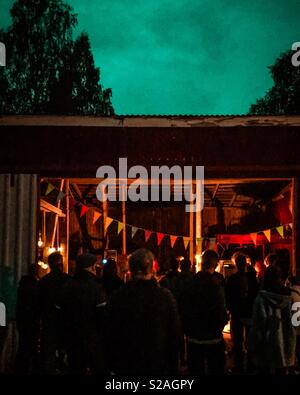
(198, 223)
(191, 227)
(296, 226)
(105, 213)
(124, 250)
(56, 216)
(67, 225)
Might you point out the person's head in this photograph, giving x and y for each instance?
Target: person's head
(110, 268)
(210, 261)
(86, 262)
(241, 263)
(55, 261)
(141, 264)
(272, 279)
(32, 270)
(283, 263)
(174, 264)
(185, 265)
(270, 259)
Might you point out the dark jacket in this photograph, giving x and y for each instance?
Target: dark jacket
(241, 290)
(27, 309)
(50, 289)
(143, 330)
(83, 310)
(111, 283)
(204, 312)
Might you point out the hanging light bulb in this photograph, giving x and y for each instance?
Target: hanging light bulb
(51, 250)
(60, 249)
(40, 242)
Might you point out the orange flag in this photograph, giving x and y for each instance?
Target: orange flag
(267, 233)
(96, 216)
(173, 240)
(107, 223)
(186, 241)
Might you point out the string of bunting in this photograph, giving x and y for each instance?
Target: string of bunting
(268, 232)
(97, 215)
(148, 233)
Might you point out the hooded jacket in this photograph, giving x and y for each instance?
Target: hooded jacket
(273, 336)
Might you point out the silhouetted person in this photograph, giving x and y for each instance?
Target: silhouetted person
(27, 320)
(143, 323)
(170, 279)
(50, 289)
(241, 291)
(204, 316)
(273, 336)
(83, 304)
(110, 279)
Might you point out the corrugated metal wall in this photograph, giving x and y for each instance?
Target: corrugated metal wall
(18, 219)
(18, 240)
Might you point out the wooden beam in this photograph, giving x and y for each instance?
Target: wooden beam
(214, 194)
(49, 208)
(124, 249)
(232, 199)
(66, 265)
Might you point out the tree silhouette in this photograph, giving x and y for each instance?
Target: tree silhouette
(284, 97)
(47, 71)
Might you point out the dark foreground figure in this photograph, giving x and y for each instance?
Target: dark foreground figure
(143, 324)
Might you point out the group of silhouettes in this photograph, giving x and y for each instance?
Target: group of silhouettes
(157, 325)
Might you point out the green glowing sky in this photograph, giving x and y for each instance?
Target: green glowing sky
(185, 57)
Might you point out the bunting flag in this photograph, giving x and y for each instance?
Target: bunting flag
(120, 227)
(134, 229)
(291, 225)
(254, 237)
(173, 240)
(160, 237)
(108, 221)
(50, 188)
(186, 241)
(280, 231)
(148, 233)
(267, 233)
(96, 216)
(84, 210)
(60, 196)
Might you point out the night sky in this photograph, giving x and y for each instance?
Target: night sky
(185, 57)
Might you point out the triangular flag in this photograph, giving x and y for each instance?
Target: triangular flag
(96, 216)
(134, 229)
(186, 241)
(254, 237)
(173, 240)
(108, 221)
(267, 233)
(120, 226)
(50, 188)
(84, 210)
(148, 233)
(280, 230)
(291, 225)
(160, 237)
(60, 196)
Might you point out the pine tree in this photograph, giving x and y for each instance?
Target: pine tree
(47, 72)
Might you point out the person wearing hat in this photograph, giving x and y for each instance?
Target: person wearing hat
(83, 309)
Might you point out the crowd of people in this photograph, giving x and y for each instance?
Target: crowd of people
(150, 325)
